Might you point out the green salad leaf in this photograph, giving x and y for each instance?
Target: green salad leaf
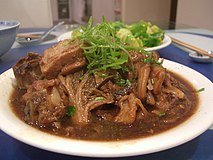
(141, 34)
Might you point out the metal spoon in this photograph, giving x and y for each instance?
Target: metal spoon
(33, 41)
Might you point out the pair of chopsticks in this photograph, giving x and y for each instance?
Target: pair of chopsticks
(27, 36)
(198, 50)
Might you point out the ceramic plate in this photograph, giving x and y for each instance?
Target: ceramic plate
(165, 43)
(185, 132)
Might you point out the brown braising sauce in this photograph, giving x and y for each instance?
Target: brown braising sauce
(99, 129)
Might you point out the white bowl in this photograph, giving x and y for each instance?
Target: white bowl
(8, 31)
(166, 41)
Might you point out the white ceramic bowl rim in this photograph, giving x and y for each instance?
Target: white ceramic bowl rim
(9, 24)
(166, 41)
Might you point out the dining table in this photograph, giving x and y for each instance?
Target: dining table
(199, 148)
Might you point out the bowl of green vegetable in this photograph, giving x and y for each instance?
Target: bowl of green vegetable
(140, 35)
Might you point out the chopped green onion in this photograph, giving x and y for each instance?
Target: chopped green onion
(70, 110)
(102, 49)
(161, 114)
(81, 77)
(99, 98)
(153, 60)
(122, 82)
(103, 75)
(128, 82)
(200, 90)
(147, 60)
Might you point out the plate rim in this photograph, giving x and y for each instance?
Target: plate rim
(111, 149)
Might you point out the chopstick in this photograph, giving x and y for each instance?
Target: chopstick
(27, 36)
(200, 51)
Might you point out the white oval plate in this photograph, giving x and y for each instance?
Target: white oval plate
(166, 41)
(185, 132)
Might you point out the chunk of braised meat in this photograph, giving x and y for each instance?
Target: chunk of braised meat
(128, 106)
(171, 105)
(63, 56)
(164, 101)
(84, 95)
(102, 77)
(170, 98)
(150, 99)
(153, 55)
(172, 86)
(27, 70)
(46, 102)
(139, 56)
(143, 77)
(158, 75)
(73, 67)
(136, 56)
(150, 81)
(115, 90)
(88, 98)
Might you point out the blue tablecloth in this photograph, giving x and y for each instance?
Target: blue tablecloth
(199, 148)
(177, 55)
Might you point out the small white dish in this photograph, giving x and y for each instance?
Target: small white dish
(191, 128)
(200, 58)
(34, 41)
(166, 41)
